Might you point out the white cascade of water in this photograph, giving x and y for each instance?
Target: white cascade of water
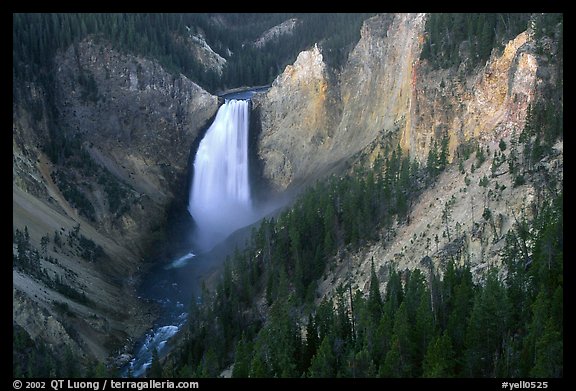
(220, 201)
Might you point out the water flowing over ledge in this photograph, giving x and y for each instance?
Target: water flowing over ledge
(220, 200)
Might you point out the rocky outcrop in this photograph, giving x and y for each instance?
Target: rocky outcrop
(139, 119)
(488, 105)
(311, 121)
(273, 33)
(334, 117)
(201, 51)
(297, 115)
(138, 122)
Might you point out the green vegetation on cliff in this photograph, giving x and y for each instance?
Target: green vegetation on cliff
(509, 325)
(452, 39)
(455, 38)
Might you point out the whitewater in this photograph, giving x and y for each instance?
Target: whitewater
(220, 200)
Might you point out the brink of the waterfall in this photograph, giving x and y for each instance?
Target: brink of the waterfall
(220, 200)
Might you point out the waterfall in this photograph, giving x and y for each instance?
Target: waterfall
(220, 201)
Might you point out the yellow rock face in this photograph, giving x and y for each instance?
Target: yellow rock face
(488, 105)
(310, 121)
(491, 94)
(294, 119)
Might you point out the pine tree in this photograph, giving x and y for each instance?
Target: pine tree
(439, 358)
(487, 328)
(242, 359)
(384, 332)
(374, 297)
(432, 161)
(392, 364)
(423, 330)
(101, 371)
(208, 366)
(44, 244)
(311, 342)
(363, 364)
(540, 314)
(258, 367)
(549, 350)
(394, 292)
(443, 155)
(458, 312)
(70, 364)
(283, 340)
(323, 363)
(399, 361)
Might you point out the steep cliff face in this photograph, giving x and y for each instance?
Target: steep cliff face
(383, 93)
(488, 105)
(376, 82)
(336, 116)
(139, 119)
(126, 127)
(297, 116)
